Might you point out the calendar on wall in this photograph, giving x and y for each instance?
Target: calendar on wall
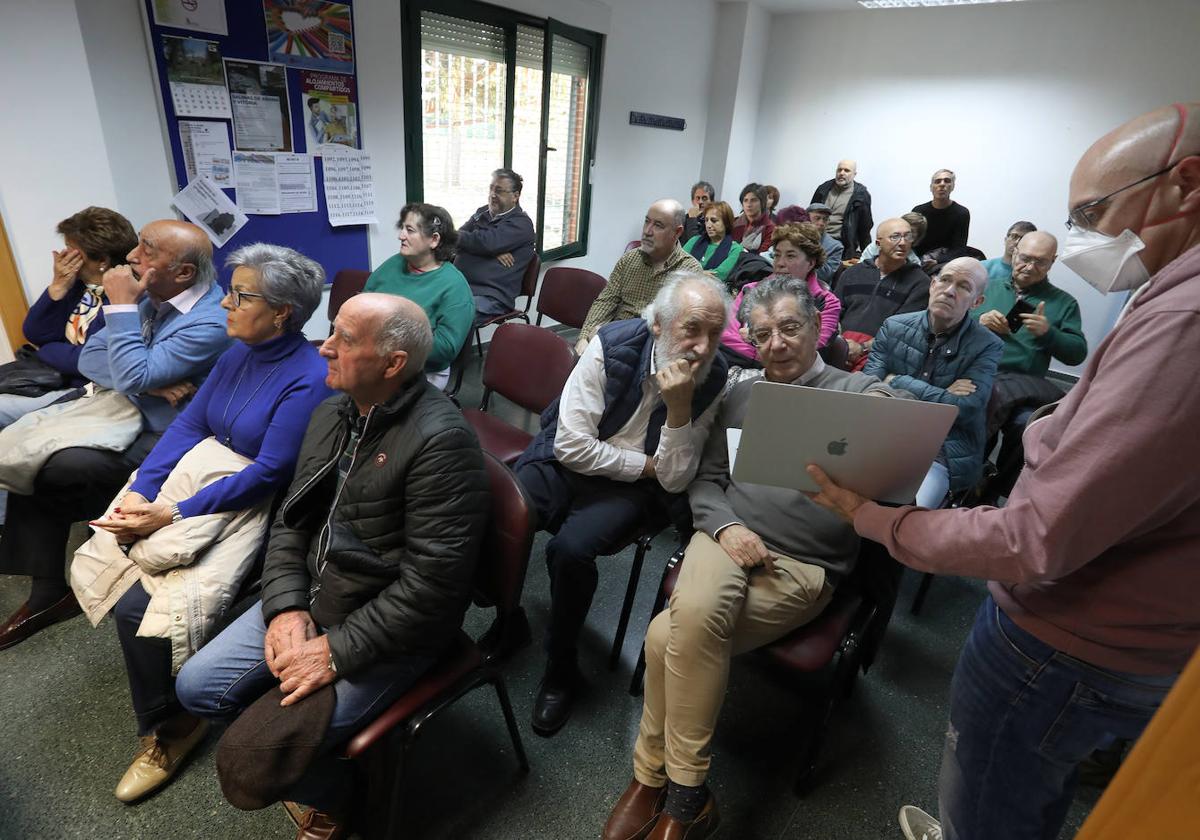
(197, 77)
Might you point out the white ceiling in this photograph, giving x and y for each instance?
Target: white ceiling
(809, 5)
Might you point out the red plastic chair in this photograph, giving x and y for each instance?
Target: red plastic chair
(524, 364)
(568, 294)
(346, 284)
(631, 244)
(835, 645)
(528, 288)
(499, 579)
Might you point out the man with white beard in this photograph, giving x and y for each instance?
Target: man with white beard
(617, 450)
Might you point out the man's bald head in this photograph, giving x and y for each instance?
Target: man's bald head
(662, 228)
(396, 324)
(1164, 210)
(956, 288)
(1032, 258)
(893, 254)
(173, 256)
(379, 342)
(968, 267)
(846, 172)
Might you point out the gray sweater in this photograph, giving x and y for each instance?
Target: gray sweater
(786, 520)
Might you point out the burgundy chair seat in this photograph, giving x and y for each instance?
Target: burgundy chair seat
(497, 319)
(812, 646)
(461, 659)
(502, 440)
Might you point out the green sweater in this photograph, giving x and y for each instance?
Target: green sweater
(1024, 353)
(444, 295)
(726, 266)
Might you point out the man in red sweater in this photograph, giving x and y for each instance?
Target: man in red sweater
(1092, 565)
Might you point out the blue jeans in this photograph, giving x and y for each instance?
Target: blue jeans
(230, 673)
(1022, 717)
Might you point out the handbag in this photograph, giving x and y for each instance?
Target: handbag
(29, 376)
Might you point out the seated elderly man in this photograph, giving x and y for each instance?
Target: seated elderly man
(818, 214)
(163, 331)
(370, 560)
(763, 561)
(495, 246)
(1050, 328)
(615, 449)
(943, 355)
(641, 272)
(873, 292)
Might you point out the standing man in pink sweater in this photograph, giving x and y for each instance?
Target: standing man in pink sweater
(1092, 566)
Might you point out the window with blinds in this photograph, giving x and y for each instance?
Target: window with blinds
(490, 94)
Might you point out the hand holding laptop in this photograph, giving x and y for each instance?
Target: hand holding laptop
(837, 500)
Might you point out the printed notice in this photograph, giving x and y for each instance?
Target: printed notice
(197, 15)
(261, 115)
(349, 188)
(257, 183)
(203, 203)
(206, 151)
(297, 184)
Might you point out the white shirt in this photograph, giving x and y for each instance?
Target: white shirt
(182, 302)
(621, 457)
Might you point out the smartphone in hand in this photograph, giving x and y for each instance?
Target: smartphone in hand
(1021, 307)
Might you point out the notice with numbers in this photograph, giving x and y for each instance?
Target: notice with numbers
(204, 204)
(206, 151)
(349, 188)
(257, 183)
(196, 76)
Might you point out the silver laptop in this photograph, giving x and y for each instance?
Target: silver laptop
(878, 447)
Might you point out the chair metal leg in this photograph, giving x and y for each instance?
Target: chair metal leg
(922, 590)
(636, 682)
(395, 804)
(635, 574)
(497, 682)
(478, 343)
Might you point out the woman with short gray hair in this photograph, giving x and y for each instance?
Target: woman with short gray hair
(174, 548)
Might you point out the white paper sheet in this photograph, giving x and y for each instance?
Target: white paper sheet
(203, 204)
(297, 183)
(257, 183)
(349, 187)
(206, 151)
(197, 15)
(733, 437)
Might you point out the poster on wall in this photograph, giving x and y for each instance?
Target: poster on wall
(331, 109)
(310, 33)
(262, 120)
(196, 76)
(206, 151)
(197, 15)
(349, 186)
(203, 204)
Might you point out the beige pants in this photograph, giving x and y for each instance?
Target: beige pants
(718, 609)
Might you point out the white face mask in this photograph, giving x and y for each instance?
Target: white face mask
(1108, 263)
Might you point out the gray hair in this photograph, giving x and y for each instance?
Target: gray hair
(400, 331)
(770, 291)
(285, 278)
(201, 257)
(950, 172)
(712, 193)
(666, 304)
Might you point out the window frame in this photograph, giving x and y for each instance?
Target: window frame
(508, 20)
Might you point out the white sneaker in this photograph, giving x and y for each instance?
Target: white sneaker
(917, 825)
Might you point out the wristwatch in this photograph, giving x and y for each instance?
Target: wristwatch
(332, 666)
(176, 516)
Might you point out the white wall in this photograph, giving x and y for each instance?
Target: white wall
(1008, 96)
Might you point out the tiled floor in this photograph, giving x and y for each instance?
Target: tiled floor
(68, 734)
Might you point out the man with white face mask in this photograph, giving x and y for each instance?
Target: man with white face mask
(1092, 565)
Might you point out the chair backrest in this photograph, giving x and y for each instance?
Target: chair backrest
(504, 555)
(458, 368)
(632, 243)
(568, 294)
(346, 284)
(529, 279)
(527, 365)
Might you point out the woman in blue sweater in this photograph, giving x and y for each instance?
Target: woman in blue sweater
(257, 401)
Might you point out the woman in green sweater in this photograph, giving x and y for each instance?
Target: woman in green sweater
(424, 273)
(715, 248)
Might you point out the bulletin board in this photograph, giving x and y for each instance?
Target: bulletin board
(301, 57)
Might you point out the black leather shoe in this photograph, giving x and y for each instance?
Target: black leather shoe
(555, 697)
(506, 637)
(23, 623)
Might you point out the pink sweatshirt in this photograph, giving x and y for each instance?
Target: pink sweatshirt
(732, 336)
(1098, 551)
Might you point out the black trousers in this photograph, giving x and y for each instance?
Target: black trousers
(589, 516)
(75, 484)
(147, 663)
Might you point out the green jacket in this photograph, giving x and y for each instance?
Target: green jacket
(1024, 353)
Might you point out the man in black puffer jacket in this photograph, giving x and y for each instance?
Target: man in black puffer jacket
(372, 555)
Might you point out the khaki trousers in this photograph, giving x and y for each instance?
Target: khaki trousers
(718, 609)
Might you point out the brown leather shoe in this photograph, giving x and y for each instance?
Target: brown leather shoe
(24, 623)
(321, 825)
(635, 813)
(705, 825)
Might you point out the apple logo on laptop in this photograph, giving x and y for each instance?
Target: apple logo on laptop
(837, 447)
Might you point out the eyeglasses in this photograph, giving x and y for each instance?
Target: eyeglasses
(1036, 262)
(1080, 218)
(788, 331)
(499, 190)
(238, 296)
(900, 237)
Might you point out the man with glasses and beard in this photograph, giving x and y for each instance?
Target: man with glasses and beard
(616, 450)
(762, 561)
(1092, 609)
(495, 247)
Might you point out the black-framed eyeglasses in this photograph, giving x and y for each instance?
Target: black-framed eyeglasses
(237, 296)
(1036, 262)
(499, 190)
(762, 336)
(1079, 216)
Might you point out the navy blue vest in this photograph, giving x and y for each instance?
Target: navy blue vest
(628, 347)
